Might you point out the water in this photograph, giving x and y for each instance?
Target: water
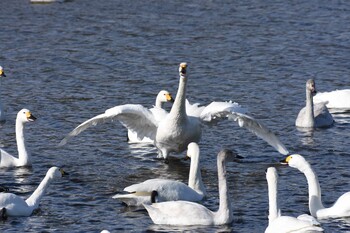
(70, 61)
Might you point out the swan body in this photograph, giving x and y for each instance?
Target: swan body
(2, 112)
(169, 190)
(182, 125)
(16, 206)
(341, 208)
(24, 158)
(284, 224)
(338, 100)
(185, 213)
(313, 115)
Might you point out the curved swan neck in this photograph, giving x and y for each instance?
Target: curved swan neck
(273, 205)
(159, 103)
(34, 199)
(195, 178)
(179, 106)
(23, 154)
(225, 209)
(309, 110)
(315, 201)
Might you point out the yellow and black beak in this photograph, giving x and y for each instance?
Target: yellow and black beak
(183, 67)
(169, 98)
(30, 116)
(63, 173)
(2, 73)
(286, 160)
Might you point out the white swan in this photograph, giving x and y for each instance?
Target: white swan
(158, 112)
(24, 158)
(336, 101)
(169, 190)
(2, 112)
(182, 125)
(313, 115)
(341, 208)
(185, 213)
(284, 224)
(13, 205)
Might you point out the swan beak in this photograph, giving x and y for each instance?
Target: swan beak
(30, 116)
(2, 73)
(187, 157)
(63, 173)
(169, 98)
(286, 160)
(182, 68)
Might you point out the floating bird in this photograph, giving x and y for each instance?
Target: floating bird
(169, 190)
(336, 101)
(341, 208)
(185, 213)
(182, 125)
(313, 115)
(285, 224)
(13, 205)
(24, 157)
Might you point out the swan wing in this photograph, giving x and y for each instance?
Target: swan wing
(322, 115)
(259, 130)
(132, 116)
(194, 109)
(216, 111)
(7, 160)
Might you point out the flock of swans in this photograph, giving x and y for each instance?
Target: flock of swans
(172, 202)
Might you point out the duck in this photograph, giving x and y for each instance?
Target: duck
(2, 112)
(341, 208)
(336, 101)
(24, 158)
(186, 213)
(13, 205)
(285, 224)
(313, 115)
(181, 125)
(168, 190)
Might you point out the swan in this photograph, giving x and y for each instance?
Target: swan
(284, 224)
(336, 101)
(2, 112)
(313, 115)
(185, 213)
(341, 208)
(24, 158)
(169, 190)
(182, 125)
(157, 111)
(13, 205)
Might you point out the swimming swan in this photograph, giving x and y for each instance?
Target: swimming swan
(13, 205)
(158, 112)
(185, 213)
(24, 158)
(182, 125)
(285, 224)
(336, 101)
(341, 208)
(2, 112)
(169, 190)
(313, 115)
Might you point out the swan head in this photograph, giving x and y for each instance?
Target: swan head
(183, 68)
(296, 161)
(25, 116)
(271, 173)
(311, 86)
(165, 96)
(2, 73)
(56, 172)
(192, 150)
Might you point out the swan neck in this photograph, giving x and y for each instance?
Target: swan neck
(225, 208)
(23, 154)
(315, 201)
(309, 109)
(159, 104)
(273, 205)
(195, 178)
(179, 107)
(34, 199)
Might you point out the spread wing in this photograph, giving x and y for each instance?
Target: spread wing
(216, 111)
(134, 117)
